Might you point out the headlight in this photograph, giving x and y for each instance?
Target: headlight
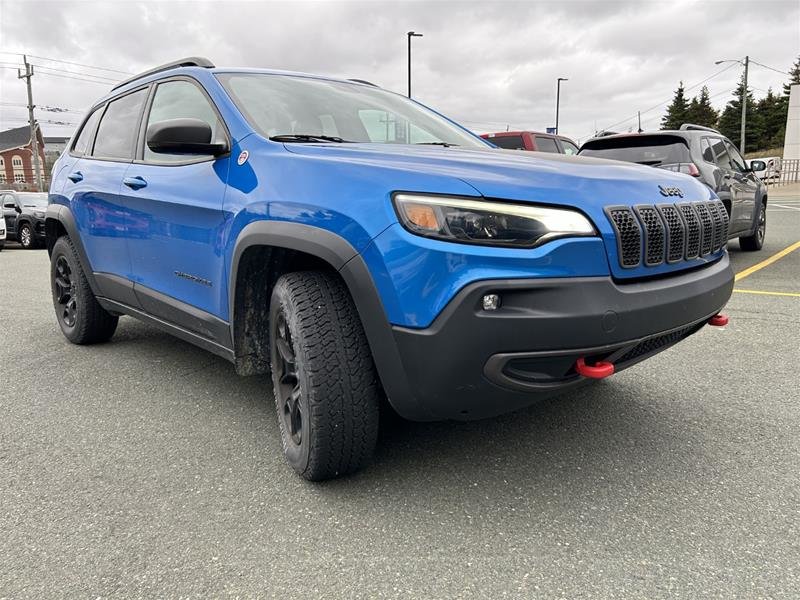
(39, 214)
(488, 223)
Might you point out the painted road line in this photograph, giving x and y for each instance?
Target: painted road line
(764, 293)
(785, 206)
(765, 263)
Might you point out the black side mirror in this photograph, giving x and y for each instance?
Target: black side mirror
(183, 136)
(17, 208)
(758, 165)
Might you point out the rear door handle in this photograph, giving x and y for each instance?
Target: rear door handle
(75, 177)
(135, 183)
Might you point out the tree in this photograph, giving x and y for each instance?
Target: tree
(730, 121)
(771, 121)
(677, 111)
(701, 112)
(794, 78)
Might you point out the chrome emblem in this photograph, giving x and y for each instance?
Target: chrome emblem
(242, 157)
(670, 191)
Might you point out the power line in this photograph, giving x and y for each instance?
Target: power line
(770, 68)
(77, 64)
(79, 74)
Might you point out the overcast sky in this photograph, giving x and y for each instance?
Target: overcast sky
(485, 64)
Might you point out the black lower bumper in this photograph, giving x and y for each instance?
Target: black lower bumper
(472, 363)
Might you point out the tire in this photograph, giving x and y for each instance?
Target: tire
(80, 316)
(755, 242)
(325, 386)
(2, 245)
(25, 236)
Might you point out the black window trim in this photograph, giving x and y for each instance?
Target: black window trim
(90, 143)
(138, 157)
(104, 107)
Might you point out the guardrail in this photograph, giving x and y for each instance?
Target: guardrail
(788, 172)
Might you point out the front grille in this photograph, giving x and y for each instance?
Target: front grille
(654, 234)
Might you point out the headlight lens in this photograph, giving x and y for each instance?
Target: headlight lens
(488, 223)
(39, 214)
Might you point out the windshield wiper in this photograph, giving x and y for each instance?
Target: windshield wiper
(445, 144)
(304, 137)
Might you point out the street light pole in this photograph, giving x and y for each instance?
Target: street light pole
(744, 97)
(410, 34)
(558, 97)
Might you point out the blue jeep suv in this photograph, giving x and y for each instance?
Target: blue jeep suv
(360, 246)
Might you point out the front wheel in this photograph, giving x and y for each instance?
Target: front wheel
(755, 242)
(324, 381)
(80, 316)
(25, 236)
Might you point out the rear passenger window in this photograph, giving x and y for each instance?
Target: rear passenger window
(181, 100)
(546, 144)
(116, 134)
(82, 143)
(509, 142)
(708, 154)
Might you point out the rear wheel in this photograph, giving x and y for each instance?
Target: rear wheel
(25, 236)
(80, 316)
(755, 242)
(324, 381)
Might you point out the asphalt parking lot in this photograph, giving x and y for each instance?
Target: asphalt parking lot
(146, 467)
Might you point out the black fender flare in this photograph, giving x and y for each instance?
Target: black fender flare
(346, 260)
(63, 216)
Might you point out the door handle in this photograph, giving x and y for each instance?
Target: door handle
(75, 177)
(135, 183)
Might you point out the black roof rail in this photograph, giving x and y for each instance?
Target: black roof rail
(191, 61)
(364, 81)
(693, 127)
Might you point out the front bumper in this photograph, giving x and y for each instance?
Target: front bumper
(471, 363)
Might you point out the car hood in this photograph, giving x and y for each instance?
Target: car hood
(523, 176)
(588, 184)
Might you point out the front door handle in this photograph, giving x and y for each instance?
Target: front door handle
(135, 183)
(75, 177)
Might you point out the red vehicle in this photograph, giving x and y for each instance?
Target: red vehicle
(532, 140)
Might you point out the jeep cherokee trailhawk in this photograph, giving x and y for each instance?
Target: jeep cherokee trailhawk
(360, 246)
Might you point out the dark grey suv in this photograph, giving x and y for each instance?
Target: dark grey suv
(703, 153)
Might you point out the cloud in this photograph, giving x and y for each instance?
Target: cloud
(487, 64)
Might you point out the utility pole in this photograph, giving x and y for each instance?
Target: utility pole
(744, 103)
(558, 97)
(639, 114)
(34, 141)
(410, 34)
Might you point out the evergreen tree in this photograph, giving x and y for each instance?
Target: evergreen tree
(701, 112)
(772, 122)
(794, 77)
(730, 121)
(677, 111)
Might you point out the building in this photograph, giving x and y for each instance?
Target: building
(16, 159)
(53, 147)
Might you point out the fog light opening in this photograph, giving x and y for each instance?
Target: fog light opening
(491, 302)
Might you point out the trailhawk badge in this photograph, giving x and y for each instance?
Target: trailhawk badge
(670, 191)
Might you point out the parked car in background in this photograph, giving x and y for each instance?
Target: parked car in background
(2, 234)
(24, 216)
(707, 155)
(534, 141)
(771, 170)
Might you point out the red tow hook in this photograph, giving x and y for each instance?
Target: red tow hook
(718, 320)
(600, 370)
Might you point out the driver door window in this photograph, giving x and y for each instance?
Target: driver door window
(736, 159)
(721, 156)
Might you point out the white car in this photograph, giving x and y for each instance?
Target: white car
(773, 169)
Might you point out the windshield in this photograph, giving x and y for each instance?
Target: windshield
(287, 105)
(33, 199)
(646, 150)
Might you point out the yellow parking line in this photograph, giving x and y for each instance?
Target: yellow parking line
(763, 293)
(765, 263)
